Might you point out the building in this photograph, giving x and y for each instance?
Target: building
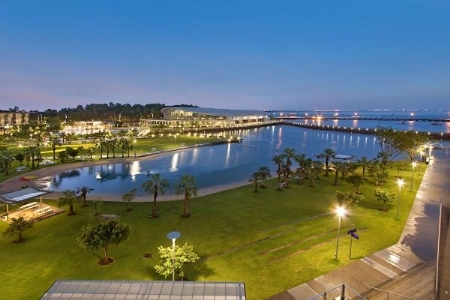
(10, 118)
(85, 127)
(206, 117)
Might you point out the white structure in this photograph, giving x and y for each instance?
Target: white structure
(206, 117)
(85, 127)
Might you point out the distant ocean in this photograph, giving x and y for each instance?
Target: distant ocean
(416, 120)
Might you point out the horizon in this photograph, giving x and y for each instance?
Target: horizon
(233, 55)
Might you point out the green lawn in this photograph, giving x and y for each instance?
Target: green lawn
(271, 240)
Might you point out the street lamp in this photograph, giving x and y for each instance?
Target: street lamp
(173, 236)
(134, 147)
(414, 164)
(340, 211)
(420, 161)
(400, 183)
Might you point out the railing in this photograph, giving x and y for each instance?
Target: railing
(388, 293)
(339, 292)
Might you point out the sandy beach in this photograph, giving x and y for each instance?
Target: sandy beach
(40, 176)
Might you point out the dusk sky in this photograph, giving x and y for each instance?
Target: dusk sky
(226, 54)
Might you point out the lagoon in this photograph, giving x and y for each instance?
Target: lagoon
(216, 165)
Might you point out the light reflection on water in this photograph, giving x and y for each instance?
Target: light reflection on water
(216, 165)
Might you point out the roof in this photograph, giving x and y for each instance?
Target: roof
(219, 112)
(22, 195)
(343, 156)
(158, 290)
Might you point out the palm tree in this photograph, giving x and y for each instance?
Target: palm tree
(188, 187)
(289, 155)
(154, 185)
(18, 226)
(363, 162)
(256, 176)
(278, 160)
(327, 154)
(264, 173)
(83, 191)
(128, 197)
(339, 167)
(54, 142)
(68, 199)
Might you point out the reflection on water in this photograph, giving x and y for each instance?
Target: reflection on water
(217, 165)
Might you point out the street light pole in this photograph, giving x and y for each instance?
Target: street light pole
(173, 236)
(340, 211)
(412, 175)
(400, 183)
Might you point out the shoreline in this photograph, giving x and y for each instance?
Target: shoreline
(42, 175)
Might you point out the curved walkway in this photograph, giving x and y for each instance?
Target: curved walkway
(405, 270)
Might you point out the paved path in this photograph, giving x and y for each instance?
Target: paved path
(407, 269)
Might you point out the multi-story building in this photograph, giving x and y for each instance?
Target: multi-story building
(10, 118)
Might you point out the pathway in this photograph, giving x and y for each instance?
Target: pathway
(407, 269)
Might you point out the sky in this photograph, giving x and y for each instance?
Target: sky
(261, 54)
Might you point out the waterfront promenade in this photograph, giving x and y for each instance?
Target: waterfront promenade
(407, 269)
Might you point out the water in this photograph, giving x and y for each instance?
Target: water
(414, 125)
(216, 165)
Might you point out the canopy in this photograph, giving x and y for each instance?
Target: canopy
(343, 156)
(22, 195)
(162, 290)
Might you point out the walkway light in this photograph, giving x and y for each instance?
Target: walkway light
(173, 236)
(400, 183)
(414, 164)
(340, 211)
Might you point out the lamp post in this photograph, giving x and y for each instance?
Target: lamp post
(400, 183)
(134, 147)
(340, 211)
(420, 161)
(173, 236)
(414, 164)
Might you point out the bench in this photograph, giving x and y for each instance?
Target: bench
(29, 205)
(43, 211)
(20, 168)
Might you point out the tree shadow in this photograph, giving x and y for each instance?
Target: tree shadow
(423, 239)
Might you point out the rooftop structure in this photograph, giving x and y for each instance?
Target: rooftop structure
(206, 117)
(108, 289)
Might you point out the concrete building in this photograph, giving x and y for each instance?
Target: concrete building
(206, 117)
(9, 118)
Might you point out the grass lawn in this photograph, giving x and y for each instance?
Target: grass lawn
(271, 240)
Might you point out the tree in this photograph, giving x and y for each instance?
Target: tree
(385, 197)
(170, 261)
(102, 236)
(153, 186)
(54, 141)
(289, 155)
(83, 191)
(20, 157)
(356, 180)
(17, 226)
(278, 160)
(188, 187)
(345, 199)
(128, 197)
(72, 152)
(265, 173)
(327, 154)
(68, 199)
(256, 176)
(364, 163)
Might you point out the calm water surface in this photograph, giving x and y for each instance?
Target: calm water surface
(216, 165)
